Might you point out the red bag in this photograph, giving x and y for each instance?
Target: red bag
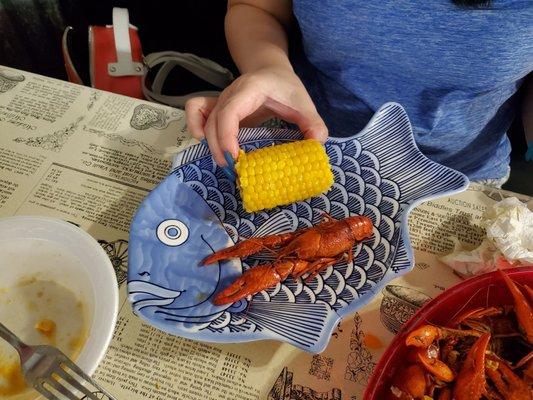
(115, 57)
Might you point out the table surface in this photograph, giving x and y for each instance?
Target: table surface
(90, 157)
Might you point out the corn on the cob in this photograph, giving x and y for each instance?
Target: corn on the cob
(283, 174)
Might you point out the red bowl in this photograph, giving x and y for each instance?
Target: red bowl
(481, 291)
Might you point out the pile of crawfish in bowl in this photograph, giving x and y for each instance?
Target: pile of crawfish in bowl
(483, 353)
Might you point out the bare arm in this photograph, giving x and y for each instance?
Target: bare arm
(256, 33)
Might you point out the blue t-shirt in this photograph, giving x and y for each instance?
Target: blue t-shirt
(455, 71)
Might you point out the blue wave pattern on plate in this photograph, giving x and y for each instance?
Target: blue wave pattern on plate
(379, 173)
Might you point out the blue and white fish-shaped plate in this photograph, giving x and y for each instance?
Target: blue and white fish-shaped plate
(196, 211)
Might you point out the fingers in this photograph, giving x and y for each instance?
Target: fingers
(201, 122)
(201, 114)
(197, 111)
(246, 100)
(227, 132)
(218, 119)
(229, 118)
(212, 139)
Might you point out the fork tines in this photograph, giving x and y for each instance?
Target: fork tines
(66, 380)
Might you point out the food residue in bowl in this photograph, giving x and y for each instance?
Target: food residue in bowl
(39, 312)
(47, 327)
(11, 379)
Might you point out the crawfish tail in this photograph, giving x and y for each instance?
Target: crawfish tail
(361, 226)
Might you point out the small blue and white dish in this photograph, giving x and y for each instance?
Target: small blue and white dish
(197, 210)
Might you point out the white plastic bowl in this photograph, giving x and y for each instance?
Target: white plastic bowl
(26, 240)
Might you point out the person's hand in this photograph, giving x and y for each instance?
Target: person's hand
(250, 100)
(529, 151)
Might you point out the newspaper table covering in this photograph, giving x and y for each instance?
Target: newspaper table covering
(90, 157)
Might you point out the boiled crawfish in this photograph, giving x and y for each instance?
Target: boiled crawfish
(479, 374)
(306, 251)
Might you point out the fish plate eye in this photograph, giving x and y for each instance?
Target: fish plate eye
(172, 232)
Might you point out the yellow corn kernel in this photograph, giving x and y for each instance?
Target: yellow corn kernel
(283, 174)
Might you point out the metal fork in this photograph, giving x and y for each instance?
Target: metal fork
(51, 372)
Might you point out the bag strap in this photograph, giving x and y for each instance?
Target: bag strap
(125, 66)
(202, 67)
(72, 74)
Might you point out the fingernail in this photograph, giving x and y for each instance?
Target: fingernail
(204, 142)
(229, 160)
(229, 173)
(230, 169)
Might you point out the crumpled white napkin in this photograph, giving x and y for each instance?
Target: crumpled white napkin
(509, 241)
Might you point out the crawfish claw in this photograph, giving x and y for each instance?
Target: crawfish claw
(470, 383)
(249, 247)
(255, 280)
(423, 336)
(523, 310)
(439, 369)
